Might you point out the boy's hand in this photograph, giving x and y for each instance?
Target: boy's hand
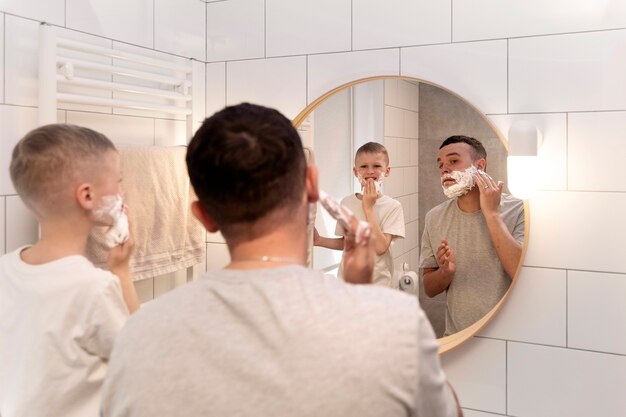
(358, 258)
(316, 237)
(119, 256)
(369, 194)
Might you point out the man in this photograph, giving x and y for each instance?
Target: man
(472, 243)
(266, 336)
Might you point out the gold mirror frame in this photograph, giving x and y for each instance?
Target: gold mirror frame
(446, 343)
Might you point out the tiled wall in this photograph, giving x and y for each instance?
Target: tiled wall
(401, 139)
(557, 346)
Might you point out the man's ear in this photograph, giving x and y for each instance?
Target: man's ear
(312, 190)
(482, 164)
(84, 196)
(203, 217)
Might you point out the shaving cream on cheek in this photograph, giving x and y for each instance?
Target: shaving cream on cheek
(378, 183)
(465, 180)
(111, 213)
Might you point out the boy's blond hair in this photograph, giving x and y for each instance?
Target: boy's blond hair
(372, 147)
(51, 158)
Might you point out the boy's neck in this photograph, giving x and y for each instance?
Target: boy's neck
(57, 240)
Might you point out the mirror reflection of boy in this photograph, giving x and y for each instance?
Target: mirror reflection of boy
(472, 243)
(385, 215)
(59, 314)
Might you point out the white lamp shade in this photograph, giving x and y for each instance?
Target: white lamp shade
(523, 175)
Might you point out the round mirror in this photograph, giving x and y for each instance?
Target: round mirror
(412, 118)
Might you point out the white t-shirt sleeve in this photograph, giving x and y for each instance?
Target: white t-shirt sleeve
(393, 223)
(105, 320)
(435, 397)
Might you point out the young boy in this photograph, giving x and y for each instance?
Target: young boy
(371, 165)
(59, 315)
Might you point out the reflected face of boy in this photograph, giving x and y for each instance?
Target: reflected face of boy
(371, 165)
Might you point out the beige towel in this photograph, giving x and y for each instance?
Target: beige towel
(158, 194)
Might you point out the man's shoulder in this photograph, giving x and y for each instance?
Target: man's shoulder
(510, 203)
(440, 208)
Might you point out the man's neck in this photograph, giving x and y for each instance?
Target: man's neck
(470, 202)
(284, 245)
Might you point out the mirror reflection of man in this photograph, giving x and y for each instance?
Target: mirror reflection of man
(472, 243)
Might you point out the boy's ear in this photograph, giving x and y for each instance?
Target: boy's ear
(312, 190)
(84, 196)
(356, 174)
(203, 217)
(387, 171)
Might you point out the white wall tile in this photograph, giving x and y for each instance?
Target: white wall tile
(235, 30)
(2, 225)
(217, 256)
(553, 149)
(408, 95)
(596, 316)
(519, 318)
(215, 237)
(145, 289)
(573, 72)
(394, 184)
(576, 230)
(475, 70)
(198, 94)
(391, 144)
(533, 17)
(320, 26)
(414, 151)
(394, 123)
(122, 130)
(15, 122)
(411, 236)
(402, 158)
(51, 11)
(329, 71)
(170, 132)
(596, 141)
(21, 227)
(2, 58)
(410, 180)
(179, 28)
(477, 371)
(215, 87)
(399, 23)
(474, 413)
(546, 382)
(278, 82)
(20, 60)
(131, 22)
(413, 213)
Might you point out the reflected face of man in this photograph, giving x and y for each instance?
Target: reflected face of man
(456, 157)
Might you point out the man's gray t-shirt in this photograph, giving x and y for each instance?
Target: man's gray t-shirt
(277, 342)
(480, 281)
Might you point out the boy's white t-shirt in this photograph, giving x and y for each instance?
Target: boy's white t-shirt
(58, 323)
(391, 221)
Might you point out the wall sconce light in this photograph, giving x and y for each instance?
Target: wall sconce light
(523, 162)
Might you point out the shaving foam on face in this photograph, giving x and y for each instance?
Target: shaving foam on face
(111, 213)
(378, 183)
(465, 180)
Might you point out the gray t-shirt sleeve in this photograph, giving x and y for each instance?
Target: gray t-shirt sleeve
(435, 397)
(427, 252)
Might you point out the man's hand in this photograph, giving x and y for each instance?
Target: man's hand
(490, 193)
(446, 259)
(358, 258)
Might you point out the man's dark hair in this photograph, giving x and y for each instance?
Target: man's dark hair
(245, 162)
(478, 150)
